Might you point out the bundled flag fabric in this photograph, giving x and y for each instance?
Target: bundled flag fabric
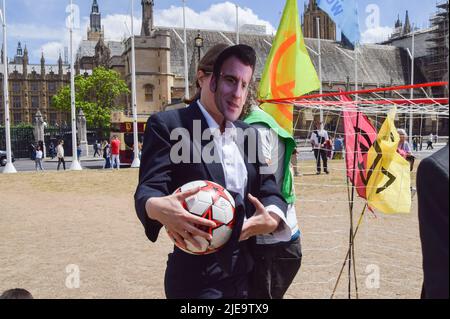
(357, 127)
(388, 174)
(289, 71)
(345, 14)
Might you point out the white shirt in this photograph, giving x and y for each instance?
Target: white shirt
(60, 151)
(235, 171)
(38, 154)
(315, 140)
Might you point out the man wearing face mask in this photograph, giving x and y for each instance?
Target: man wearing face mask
(223, 93)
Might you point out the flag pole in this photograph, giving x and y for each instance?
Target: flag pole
(348, 251)
(237, 24)
(186, 75)
(9, 168)
(75, 166)
(136, 161)
(320, 67)
(351, 250)
(411, 94)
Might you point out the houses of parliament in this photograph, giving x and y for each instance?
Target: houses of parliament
(160, 62)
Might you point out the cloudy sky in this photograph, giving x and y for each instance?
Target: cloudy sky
(41, 25)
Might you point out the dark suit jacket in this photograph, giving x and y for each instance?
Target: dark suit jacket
(159, 176)
(433, 192)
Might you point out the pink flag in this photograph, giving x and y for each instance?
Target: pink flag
(358, 125)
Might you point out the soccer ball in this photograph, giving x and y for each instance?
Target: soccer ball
(215, 203)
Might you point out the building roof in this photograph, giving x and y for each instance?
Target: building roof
(379, 64)
(422, 43)
(87, 48)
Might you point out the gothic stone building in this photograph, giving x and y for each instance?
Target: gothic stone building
(31, 88)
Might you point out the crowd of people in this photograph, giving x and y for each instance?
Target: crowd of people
(109, 150)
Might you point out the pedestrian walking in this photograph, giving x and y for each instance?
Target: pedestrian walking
(115, 152)
(38, 158)
(60, 154)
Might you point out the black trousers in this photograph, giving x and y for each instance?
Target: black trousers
(274, 270)
(61, 160)
(202, 277)
(321, 154)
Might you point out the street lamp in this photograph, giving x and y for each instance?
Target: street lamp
(198, 43)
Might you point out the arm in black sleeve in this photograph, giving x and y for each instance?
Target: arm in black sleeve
(154, 172)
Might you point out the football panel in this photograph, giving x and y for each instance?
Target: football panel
(192, 185)
(230, 198)
(220, 236)
(223, 215)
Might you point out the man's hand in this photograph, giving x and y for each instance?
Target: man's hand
(181, 225)
(262, 222)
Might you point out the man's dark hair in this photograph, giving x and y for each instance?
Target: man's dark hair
(244, 53)
(16, 293)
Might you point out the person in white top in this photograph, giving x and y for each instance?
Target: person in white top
(60, 154)
(38, 159)
(318, 139)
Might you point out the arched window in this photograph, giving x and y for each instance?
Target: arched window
(148, 91)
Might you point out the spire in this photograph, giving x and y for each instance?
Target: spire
(19, 49)
(96, 24)
(407, 27)
(398, 24)
(60, 64)
(25, 60)
(147, 17)
(42, 65)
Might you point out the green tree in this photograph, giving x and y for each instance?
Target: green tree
(96, 94)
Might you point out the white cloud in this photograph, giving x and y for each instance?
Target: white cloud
(117, 26)
(376, 35)
(220, 16)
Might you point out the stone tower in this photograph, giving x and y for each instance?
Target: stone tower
(327, 26)
(95, 31)
(147, 17)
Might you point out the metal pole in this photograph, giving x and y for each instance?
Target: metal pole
(412, 90)
(237, 24)
(356, 71)
(75, 166)
(320, 67)
(136, 161)
(186, 75)
(9, 168)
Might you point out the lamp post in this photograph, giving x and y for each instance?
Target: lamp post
(198, 44)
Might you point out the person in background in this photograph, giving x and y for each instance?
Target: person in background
(338, 148)
(60, 154)
(38, 158)
(51, 150)
(115, 152)
(432, 191)
(78, 151)
(318, 140)
(430, 142)
(415, 148)
(96, 148)
(16, 293)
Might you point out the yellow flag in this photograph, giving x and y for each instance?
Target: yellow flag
(289, 71)
(388, 175)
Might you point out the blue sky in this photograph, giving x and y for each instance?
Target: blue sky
(40, 24)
